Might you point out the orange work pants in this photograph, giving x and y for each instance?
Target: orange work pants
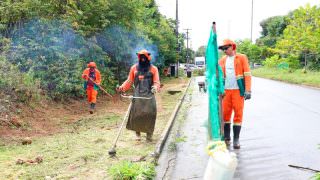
(92, 95)
(232, 101)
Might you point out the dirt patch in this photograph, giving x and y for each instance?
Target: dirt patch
(50, 117)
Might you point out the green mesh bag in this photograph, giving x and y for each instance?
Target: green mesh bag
(214, 79)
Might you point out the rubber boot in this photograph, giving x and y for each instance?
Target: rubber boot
(138, 136)
(226, 128)
(92, 106)
(149, 137)
(236, 133)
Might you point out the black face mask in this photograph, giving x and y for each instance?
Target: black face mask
(144, 64)
(92, 73)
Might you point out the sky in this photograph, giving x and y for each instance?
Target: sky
(233, 17)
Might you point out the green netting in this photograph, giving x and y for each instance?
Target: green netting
(214, 78)
(283, 65)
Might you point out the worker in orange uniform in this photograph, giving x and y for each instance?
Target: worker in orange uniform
(93, 80)
(145, 78)
(236, 70)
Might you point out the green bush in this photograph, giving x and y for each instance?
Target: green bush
(21, 87)
(199, 72)
(272, 61)
(290, 61)
(50, 50)
(126, 170)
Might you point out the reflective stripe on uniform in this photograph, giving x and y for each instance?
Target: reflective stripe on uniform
(247, 73)
(239, 77)
(129, 81)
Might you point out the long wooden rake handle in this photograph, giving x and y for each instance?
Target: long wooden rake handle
(100, 87)
(122, 124)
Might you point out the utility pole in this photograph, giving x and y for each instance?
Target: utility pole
(187, 45)
(177, 35)
(251, 19)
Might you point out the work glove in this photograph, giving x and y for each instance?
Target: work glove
(119, 89)
(153, 89)
(247, 95)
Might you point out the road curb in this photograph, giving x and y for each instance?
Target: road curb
(165, 132)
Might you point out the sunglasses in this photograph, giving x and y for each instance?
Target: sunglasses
(224, 48)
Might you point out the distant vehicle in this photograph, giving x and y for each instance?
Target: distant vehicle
(200, 62)
(189, 67)
(256, 65)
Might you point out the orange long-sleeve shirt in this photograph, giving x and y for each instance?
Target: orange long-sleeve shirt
(86, 72)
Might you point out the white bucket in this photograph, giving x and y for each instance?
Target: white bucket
(221, 166)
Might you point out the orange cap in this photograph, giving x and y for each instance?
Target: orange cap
(144, 52)
(92, 64)
(228, 42)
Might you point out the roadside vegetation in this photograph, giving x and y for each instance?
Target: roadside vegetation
(45, 129)
(46, 132)
(288, 48)
(129, 170)
(46, 44)
(296, 76)
(79, 149)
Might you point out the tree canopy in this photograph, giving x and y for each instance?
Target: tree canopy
(51, 41)
(293, 39)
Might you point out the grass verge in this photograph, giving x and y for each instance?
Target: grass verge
(81, 151)
(299, 76)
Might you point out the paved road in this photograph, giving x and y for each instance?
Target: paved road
(281, 127)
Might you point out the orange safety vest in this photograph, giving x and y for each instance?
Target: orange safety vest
(242, 71)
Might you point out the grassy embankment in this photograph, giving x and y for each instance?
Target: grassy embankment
(81, 150)
(309, 78)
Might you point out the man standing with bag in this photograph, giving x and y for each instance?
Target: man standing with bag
(145, 78)
(237, 76)
(93, 80)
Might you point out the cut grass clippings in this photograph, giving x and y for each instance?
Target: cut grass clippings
(81, 152)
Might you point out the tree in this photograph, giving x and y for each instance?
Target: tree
(253, 51)
(52, 40)
(272, 30)
(302, 36)
(201, 51)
